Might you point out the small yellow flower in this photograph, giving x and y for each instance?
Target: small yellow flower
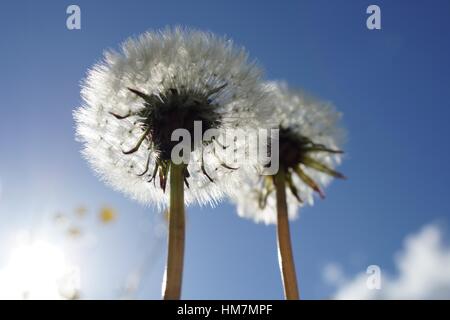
(107, 215)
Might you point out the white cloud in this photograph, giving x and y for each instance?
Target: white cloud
(423, 272)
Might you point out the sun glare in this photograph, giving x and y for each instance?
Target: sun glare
(37, 271)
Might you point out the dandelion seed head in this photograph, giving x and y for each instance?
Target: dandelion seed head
(310, 138)
(160, 81)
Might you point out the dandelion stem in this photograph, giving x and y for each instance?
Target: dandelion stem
(175, 255)
(285, 257)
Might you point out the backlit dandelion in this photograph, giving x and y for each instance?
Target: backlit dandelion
(310, 139)
(135, 99)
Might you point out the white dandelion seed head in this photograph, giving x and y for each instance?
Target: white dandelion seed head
(303, 116)
(176, 63)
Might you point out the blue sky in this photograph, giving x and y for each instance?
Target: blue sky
(392, 86)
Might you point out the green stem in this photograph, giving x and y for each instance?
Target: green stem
(175, 255)
(285, 257)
